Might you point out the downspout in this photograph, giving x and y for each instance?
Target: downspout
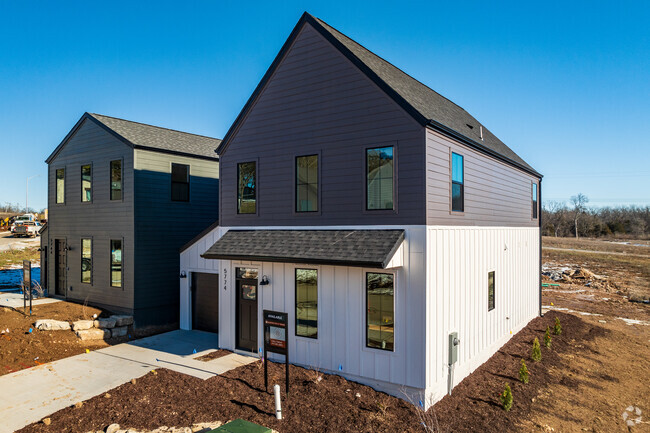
(539, 214)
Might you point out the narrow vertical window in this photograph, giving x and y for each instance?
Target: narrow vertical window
(86, 260)
(534, 201)
(116, 180)
(247, 188)
(307, 303)
(180, 182)
(307, 183)
(116, 263)
(86, 183)
(60, 185)
(457, 183)
(380, 292)
(379, 178)
(490, 290)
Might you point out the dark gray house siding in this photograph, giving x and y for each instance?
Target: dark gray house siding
(317, 102)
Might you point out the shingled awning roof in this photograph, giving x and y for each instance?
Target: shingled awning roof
(360, 248)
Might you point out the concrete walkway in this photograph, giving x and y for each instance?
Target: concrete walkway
(15, 300)
(30, 395)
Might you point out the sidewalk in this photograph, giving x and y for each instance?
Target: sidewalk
(30, 395)
(15, 300)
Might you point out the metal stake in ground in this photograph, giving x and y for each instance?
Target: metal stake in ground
(27, 285)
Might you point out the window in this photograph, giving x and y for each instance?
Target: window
(534, 201)
(380, 292)
(180, 182)
(60, 185)
(379, 178)
(246, 190)
(307, 303)
(490, 290)
(86, 260)
(307, 183)
(116, 180)
(86, 183)
(457, 183)
(116, 263)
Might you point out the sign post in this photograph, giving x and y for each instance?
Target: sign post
(275, 341)
(27, 285)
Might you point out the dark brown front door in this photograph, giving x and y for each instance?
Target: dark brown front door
(205, 301)
(59, 267)
(246, 310)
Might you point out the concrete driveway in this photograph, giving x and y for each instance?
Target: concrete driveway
(30, 395)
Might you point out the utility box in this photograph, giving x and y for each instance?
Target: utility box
(241, 426)
(454, 342)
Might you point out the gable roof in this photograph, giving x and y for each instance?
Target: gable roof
(143, 136)
(426, 106)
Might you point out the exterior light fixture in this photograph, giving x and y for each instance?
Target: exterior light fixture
(183, 274)
(265, 281)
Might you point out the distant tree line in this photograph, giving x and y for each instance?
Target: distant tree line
(577, 219)
(16, 208)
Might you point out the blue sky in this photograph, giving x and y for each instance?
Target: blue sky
(565, 84)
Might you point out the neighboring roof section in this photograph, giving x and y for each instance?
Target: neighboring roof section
(155, 138)
(426, 106)
(360, 248)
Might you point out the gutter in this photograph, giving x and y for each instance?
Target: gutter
(539, 218)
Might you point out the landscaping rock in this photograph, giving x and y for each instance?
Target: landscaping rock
(47, 421)
(51, 325)
(113, 428)
(94, 334)
(119, 332)
(105, 323)
(122, 320)
(80, 325)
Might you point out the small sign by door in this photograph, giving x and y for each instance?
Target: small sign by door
(275, 341)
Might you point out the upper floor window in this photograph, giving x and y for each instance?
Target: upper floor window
(307, 303)
(380, 307)
(379, 178)
(180, 182)
(490, 290)
(307, 183)
(246, 188)
(116, 180)
(86, 260)
(60, 185)
(534, 201)
(457, 183)
(86, 183)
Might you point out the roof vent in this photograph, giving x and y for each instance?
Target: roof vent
(469, 126)
(481, 128)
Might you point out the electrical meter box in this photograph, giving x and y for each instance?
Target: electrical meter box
(454, 342)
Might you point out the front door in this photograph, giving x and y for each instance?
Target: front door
(246, 309)
(59, 267)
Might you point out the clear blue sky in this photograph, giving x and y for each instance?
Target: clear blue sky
(565, 84)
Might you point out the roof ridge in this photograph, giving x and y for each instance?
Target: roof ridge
(152, 126)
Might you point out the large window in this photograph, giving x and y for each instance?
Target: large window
(534, 201)
(490, 290)
(116, 180)
(116, 263)
(247, 188)
(60, 185)
(86, 260)
(379, 178)
(307, 303)
(180, 182)
(457, 183)
(86, 183)
(307, 183)
(380, 319)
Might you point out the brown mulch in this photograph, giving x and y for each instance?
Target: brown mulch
(213, 355)
(330, 405)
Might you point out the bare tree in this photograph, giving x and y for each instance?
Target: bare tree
(555, 216)
(579, 203)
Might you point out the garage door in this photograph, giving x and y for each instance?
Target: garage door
(205, 302)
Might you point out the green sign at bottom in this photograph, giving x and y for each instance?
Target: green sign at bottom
(241, 426)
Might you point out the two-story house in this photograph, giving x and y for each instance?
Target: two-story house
(383, 218)
(123, 197)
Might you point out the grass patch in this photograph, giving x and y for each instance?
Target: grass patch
(16, 256)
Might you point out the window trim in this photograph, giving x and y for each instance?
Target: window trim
(534, 193)
(92, 259)
(171, 182)
(364, 174)
(110, 180)
(295, 301)
(110, 262)
(92, 182)
(295, 184)
(494, 288)
(56, 202)
(365, 346)
(257, 195)
(451, 183)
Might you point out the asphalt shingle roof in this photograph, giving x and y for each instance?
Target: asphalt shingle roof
(157, 138)
(360, 248)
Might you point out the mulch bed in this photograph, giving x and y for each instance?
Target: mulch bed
(330, 405)
(213, 355)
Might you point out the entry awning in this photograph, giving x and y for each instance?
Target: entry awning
(360, 248)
